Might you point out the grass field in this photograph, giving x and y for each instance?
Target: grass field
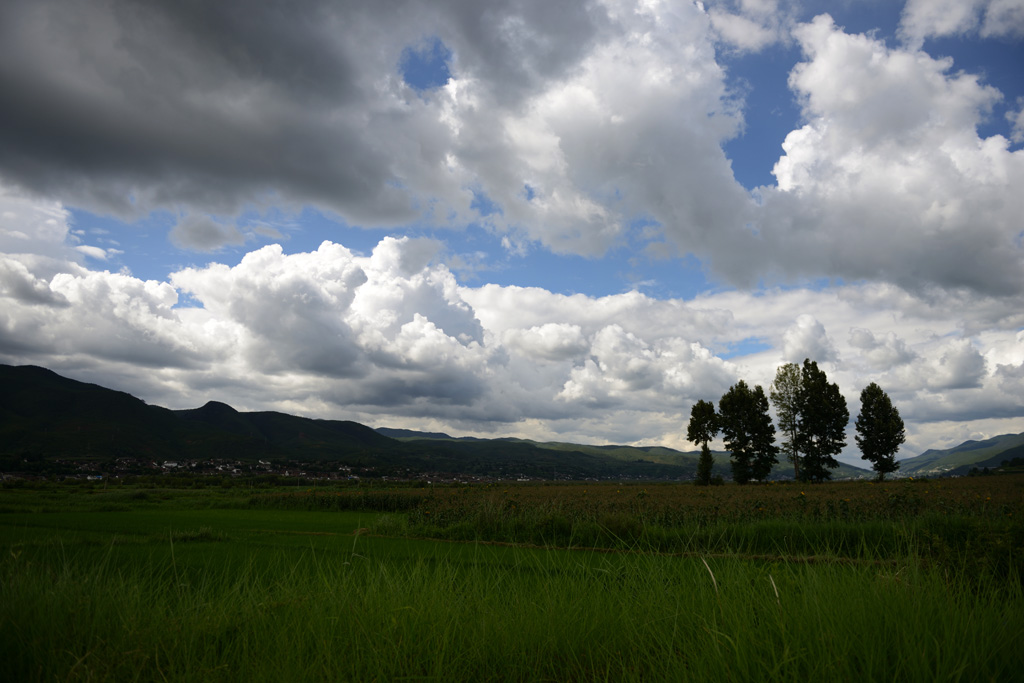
(899, 581)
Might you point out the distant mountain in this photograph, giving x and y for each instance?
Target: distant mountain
(960, 459)
(45, 416)
(303, 437)
(412, 434)
(650, 455)
(42, 413)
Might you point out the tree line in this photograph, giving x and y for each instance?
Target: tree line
(812, 416)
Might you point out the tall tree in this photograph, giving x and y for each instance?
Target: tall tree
(765, 451)
(880, 431)
(748, 431)
(821, 423)
(785, 392)
(703, 423)
(702, 428)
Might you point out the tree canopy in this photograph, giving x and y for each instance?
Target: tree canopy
(880, 431)
(785, 392)
(822, 416)
(702, 428)
(703, 423)
(749, 433)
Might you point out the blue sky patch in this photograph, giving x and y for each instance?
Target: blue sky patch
(484, 205)
(425, 67)
(745, 347)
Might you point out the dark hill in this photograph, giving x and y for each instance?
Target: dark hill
(411, 434)
(42, 413)
(286, 431)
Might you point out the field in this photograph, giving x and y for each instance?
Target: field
(907, 580)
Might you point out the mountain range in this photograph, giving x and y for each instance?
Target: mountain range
(44, 416)
(968, 455)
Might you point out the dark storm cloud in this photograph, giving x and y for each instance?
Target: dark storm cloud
(517, 45)
(605, 111)
(98, 102)
(202, 234)
(127, 106)
(17, 282)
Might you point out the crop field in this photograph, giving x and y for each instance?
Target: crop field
(903, 580)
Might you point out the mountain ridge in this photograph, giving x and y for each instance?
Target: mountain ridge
(961, 458)
(44, 414)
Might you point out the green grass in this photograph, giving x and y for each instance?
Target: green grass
(302, 614)
(190, 587)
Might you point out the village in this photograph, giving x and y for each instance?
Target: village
(233, 471)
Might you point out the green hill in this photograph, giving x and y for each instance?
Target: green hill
(960, 459)
(634, 460)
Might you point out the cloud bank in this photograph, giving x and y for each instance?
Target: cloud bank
(393, 337)
(557, 126)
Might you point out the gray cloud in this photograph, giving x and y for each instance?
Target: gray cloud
(18, 283)
(607, 111)
(961, 366)
(964, 407)
(123, 107)
(550, 341)
(202, 233)
(213, 105)
(881, 354)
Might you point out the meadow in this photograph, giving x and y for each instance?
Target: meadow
(903, 580)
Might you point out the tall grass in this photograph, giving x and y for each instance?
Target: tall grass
(102, 614)
(975, 544)
(150, 584)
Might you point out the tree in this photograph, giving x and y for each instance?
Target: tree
(821, 423)
(880, 431)
(703, 423)
(784, 392)
(702, 428)
(765, 451)
(748, 431)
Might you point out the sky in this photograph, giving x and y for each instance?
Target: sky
(560, 221)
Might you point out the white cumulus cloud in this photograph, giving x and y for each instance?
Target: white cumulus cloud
(889, 179)
(923, 19)
(807, 339)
